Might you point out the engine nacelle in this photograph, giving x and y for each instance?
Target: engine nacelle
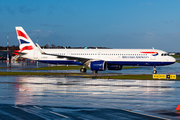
(115, 67)
(98, 65)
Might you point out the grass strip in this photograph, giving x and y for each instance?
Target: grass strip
(178, 61)
(70, 68)
(29, 73)
(3, 67)
(97, 76)
(129, 67)
(176, 56)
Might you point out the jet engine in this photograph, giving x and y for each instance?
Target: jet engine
(98, 65)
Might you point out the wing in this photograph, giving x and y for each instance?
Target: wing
(80, 59)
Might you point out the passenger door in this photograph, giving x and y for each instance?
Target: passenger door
(36, 54)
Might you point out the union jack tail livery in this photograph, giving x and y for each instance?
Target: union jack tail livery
(25, 42)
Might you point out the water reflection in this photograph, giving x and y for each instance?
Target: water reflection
(143, 96)
(62, 91)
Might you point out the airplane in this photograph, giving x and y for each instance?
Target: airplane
(95, 59)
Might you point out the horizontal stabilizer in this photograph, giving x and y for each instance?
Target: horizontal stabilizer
(20, 53)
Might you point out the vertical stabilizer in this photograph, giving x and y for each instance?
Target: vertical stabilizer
(25, 42)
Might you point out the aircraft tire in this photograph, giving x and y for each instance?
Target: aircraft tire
(154, 72)
(83, 70)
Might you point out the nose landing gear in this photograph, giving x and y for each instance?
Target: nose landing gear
(83, 70)
(154, 70)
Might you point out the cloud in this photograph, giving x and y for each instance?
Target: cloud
(150, 33)
(51, 9)
(10, 11)
(143, 34)
(40, 33)
(169, 22)
(49, 25)
(146, 4)
(149, 3)
(164, 41)
(37, 30)
(24, 9)
(117, 25)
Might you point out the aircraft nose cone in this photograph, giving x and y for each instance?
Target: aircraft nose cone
(172, 59)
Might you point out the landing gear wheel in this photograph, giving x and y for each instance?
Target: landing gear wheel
(154, 72)
(83, 70)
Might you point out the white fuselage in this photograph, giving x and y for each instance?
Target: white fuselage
(142, 57)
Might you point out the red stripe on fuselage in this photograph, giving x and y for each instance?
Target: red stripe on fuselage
(19, 33)
(150, 52)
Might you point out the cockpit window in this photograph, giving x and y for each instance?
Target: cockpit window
(164, 54)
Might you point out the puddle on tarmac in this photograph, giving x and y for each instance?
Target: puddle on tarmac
(144, 96)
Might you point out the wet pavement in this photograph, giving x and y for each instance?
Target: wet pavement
(78, 98)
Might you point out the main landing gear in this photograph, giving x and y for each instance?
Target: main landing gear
(95, 71)
(83, 70)
(154, 70)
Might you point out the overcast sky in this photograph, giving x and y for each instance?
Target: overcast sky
(97, 23)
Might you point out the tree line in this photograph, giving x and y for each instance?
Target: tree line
(11, 48)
